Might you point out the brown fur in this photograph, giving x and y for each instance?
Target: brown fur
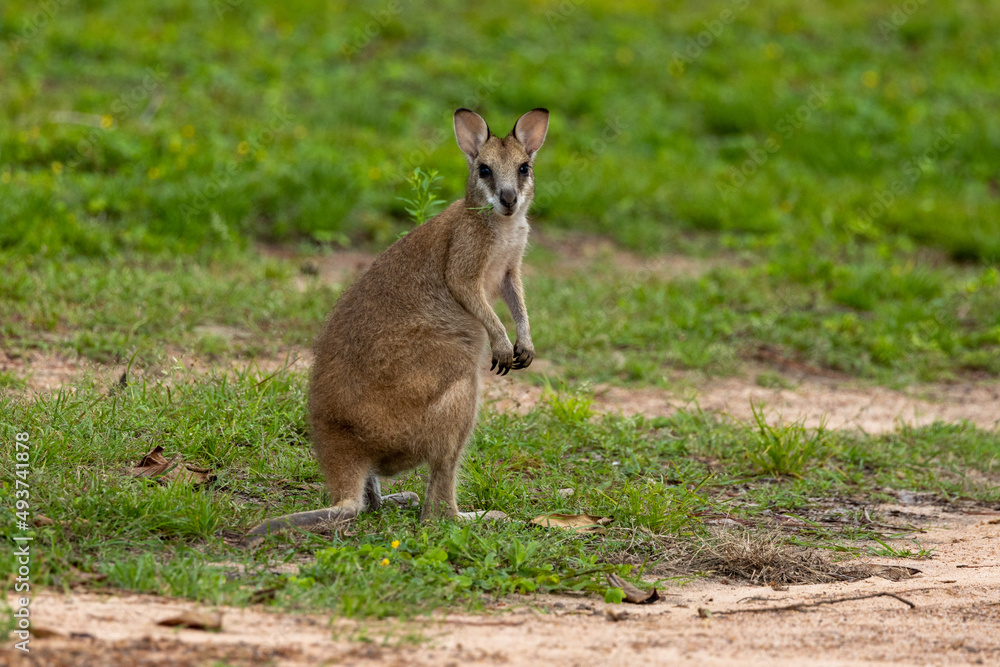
(395, 382)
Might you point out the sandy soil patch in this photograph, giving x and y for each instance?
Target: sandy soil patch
(953, 621)
(572, 252)
(839, 403)
(577, 252)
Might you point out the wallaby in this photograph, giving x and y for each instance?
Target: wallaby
(395, 381)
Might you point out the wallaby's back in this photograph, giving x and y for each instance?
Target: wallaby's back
(397, 339)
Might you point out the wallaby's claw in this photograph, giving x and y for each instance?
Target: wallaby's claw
(503, 359)
(523, 356)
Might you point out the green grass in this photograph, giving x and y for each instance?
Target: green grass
(836, 172)
(600, 324)
(162, 128)
(109, 311)
(133, 134)
(662, 482)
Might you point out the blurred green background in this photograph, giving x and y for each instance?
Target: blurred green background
(183, 125)
(836, 162)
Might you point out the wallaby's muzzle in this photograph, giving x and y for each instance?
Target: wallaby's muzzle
(508, 201)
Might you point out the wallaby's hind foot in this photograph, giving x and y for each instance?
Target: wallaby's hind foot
(403, 499)
(338, 516)
(374, 498)
(482, 515)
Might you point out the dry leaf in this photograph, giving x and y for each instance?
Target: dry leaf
(896, 572)
(632, 594)
(42, 632)
(583, 523)
(195, 619)
(154, 465)
(40, 520)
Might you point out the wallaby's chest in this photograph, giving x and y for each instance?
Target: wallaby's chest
(508, 248)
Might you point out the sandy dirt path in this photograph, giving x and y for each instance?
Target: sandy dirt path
(955, 620)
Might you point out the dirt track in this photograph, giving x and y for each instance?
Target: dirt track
(954, 621)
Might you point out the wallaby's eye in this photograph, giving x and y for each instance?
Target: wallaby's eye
(524, 169)
(484, 171)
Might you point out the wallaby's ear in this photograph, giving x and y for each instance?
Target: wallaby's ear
(471, 132)
(530, 129)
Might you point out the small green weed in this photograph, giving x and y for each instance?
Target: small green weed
(10, 380)
(889, 551)
(570, 407)
(785, 450)
(772, 380)
(424, 197)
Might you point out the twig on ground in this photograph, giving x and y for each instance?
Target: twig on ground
(799, 606)
(455, 621)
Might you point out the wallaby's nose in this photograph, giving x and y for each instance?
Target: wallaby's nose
(508, 198)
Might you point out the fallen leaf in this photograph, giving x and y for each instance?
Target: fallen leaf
(154, 465)
(40, 520)
(632, 594)
(583, 523)
(42, 632)
(896, 572)
(616, 616)
(195, 619)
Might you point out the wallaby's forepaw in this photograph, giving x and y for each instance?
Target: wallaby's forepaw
(523, 355)
(503, 358)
